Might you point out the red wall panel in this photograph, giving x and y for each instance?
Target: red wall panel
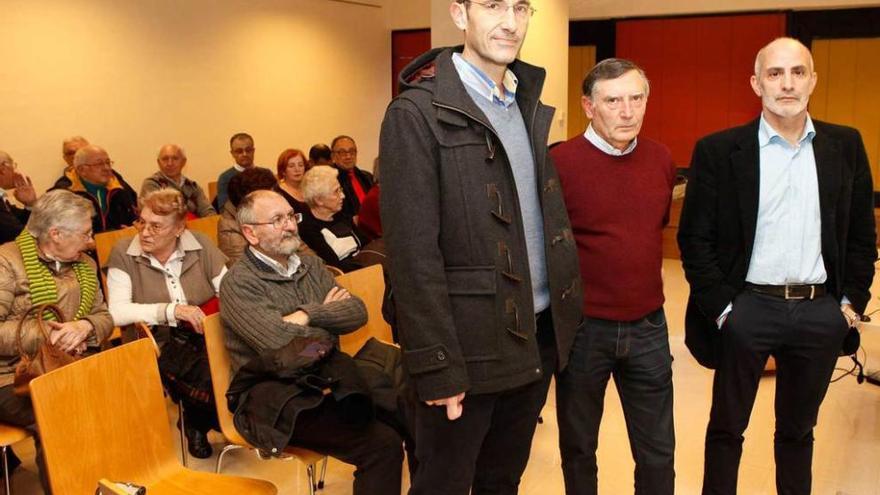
(405, 47)
(699, 68)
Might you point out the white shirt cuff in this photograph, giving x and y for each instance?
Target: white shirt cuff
(723, 317)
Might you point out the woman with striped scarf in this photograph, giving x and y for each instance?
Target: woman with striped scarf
(47, 263)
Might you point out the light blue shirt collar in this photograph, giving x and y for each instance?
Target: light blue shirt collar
(285, 271)
(767, 134)
(604, 146)
(477, 80)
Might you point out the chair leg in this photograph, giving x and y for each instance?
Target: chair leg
(323, 473)
(183, 442)
(6, 471)
(310, 471)
(223, 453)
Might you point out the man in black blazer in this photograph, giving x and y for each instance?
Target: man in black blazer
(13, 218)
(355, 182)
(778, 244)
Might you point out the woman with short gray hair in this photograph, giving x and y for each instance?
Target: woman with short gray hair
(330, 233)
(59, 211)
(47, 264)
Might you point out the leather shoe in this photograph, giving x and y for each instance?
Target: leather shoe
(197, 444)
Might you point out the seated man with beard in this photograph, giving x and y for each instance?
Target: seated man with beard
(280, 308)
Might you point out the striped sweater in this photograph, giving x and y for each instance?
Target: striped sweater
(254, 298)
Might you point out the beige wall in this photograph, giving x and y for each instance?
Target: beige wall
(600, 9)
(133, 75)
(408, 14)
(443, 31)
(547, 46)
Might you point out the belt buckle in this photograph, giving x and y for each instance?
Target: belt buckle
(810, 297)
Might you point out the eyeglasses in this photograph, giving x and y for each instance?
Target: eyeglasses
(342, 151)
(241, 151)
(86, 236)
(279, 221)
(105, 163)
(497, 9)
(149, 227)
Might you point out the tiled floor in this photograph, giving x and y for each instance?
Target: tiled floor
(847, 450)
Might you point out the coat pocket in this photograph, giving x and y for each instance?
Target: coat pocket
(472, 295)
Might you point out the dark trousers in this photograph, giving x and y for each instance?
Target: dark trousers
(486, 450)
(805, 338)
(375, 448)
(19, 411)
(637, 355)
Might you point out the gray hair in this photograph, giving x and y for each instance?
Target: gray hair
(82, 155)
(245, 213)
(60, 209)
(318, 181)
(611, 68)
(179, 149)
(74, 139)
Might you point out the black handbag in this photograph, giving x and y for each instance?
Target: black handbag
(184, 367)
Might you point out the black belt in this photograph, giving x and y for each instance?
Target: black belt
(789, 291)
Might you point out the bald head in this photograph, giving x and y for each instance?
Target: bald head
(781, 44)
(171, 149)
(784, 80)
(171, 159)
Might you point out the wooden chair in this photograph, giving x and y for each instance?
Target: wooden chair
(141, 330)
(205, 225)
(104, 417)
(368, 284)
(221, 376)
(9, 435)
(212, 191)
(105, 241)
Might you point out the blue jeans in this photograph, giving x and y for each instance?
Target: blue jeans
(637, 354)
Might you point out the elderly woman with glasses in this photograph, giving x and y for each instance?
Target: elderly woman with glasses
(324, 228)
(168, 277)
(46, 264)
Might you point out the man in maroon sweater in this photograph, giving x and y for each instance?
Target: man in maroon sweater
(617, 188)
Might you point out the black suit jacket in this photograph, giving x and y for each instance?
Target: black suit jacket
(717, 228)
(12, 220)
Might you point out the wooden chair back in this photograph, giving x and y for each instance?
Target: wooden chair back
(104, 417)
(205, 225)
(105, 241)
(368, 284)
(221, 376)
(212, 190)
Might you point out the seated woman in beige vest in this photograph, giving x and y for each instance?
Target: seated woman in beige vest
(46, 264)
(168, 278)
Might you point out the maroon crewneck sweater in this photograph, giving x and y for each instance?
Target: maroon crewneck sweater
(618, 207)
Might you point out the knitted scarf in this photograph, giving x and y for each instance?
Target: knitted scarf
(42, 285)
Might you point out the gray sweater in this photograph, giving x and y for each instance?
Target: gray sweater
(254, 298)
